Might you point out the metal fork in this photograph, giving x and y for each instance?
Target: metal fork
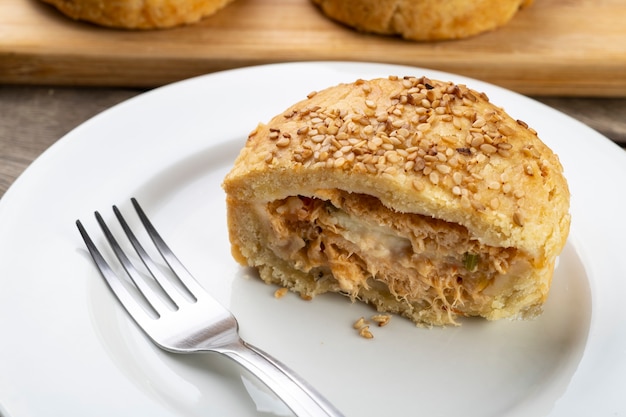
(196, 322)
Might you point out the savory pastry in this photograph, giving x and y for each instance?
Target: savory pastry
(423, 20)
(417, 196)
(139, 14)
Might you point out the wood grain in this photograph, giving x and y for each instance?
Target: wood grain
(555, 47)
(34, 118)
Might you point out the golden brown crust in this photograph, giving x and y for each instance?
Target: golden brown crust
(447, 152)
(139, 14)
(420, 147)
(423, 20)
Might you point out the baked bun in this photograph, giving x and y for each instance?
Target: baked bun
(139, 14)
(415, 195)
(423, 20)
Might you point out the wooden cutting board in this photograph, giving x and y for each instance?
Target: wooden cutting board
(555, 47)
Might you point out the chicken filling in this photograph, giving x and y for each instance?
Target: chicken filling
(364, 244)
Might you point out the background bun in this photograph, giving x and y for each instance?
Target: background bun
(423, 20)
(139, 14)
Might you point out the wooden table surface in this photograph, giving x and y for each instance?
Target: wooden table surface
(555, 47)
(34, 117)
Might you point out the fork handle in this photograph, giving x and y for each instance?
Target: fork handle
(295, 392)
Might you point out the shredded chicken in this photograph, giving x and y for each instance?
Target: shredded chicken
(419, 259)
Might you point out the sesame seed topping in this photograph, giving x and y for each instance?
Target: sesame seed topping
(339, 162)
(283, 142)
(418, 185)
(434, 177)
(488, 149)
(443, 169)
(425, 132)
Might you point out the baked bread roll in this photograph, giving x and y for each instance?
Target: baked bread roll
(423, 20)
(139, 14)
(417, 196)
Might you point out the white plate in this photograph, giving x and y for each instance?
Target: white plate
(68, 349)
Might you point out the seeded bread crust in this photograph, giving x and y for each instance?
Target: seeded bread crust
(481, 168)
(423, 20)
(419, 146)
(139, 14)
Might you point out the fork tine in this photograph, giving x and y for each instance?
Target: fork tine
(124, 296)
(168, 288)
(148, 293)
(194, 288)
